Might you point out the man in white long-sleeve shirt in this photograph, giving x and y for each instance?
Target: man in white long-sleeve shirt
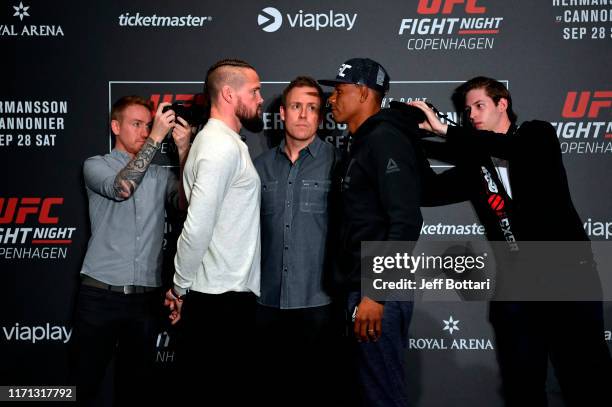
(218, 253)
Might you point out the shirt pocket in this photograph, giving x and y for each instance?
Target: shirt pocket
(268, 197)
(313, 195)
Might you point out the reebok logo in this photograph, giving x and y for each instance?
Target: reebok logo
(270, 19)
(391, 167)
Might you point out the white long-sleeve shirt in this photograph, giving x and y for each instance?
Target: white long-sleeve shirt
(219, 248)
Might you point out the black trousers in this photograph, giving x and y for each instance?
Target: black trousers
(300, 357)
(571, 334)
(216, 349)
(111, 324)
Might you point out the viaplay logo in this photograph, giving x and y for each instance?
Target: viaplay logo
(33, 229)
(585, 127)
(450, 325)
(23, 12)
(450, 25)
(37, 333)
(270, 20)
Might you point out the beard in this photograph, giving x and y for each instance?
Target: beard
(250, 121)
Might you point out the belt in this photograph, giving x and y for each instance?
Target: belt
(125, 289)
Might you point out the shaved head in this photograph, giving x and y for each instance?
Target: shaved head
(229, 72)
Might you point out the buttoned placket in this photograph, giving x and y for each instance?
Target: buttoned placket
(138, 241)
(288, 221)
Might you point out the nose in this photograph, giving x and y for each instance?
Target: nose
(144, 131)
(331, 99)
(302, 112)
(472, 114)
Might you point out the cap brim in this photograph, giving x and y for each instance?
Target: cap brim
(331, 82)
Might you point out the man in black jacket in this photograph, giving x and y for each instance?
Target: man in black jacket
(380, 200)
(528, 201)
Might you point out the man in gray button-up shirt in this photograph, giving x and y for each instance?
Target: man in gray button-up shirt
(294, 314)
(117, 300)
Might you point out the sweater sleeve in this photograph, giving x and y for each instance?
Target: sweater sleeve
(214, 168)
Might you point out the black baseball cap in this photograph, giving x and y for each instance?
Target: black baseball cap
(361, 71)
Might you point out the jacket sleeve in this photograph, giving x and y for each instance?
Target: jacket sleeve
(469, 142)
(397, 172)
(449, 186)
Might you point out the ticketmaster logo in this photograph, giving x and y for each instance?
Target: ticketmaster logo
(452, 230)
(138, 20)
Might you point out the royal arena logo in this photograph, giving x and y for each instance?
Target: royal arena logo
(585, 127)
(452, 326)
(450, 25)
(22, 28)
(31, 229)
(584, 19)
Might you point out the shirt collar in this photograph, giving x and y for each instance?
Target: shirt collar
(313, 148)
(120, 154)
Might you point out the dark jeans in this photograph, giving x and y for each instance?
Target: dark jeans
(569, 333)
(108, 323)
(216, 349)
(299, 361)
(380, 364)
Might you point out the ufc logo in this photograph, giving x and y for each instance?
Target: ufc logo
(343, 68)
(157, 98)
(18, 210)
(434, 6)
(600, 100)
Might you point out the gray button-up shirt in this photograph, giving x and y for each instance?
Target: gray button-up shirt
(125, 247)
(294, 225)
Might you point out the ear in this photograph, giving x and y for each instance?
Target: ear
(364, 93)
(502, 105)
(115, 126)
(282, 113)
(227, 93)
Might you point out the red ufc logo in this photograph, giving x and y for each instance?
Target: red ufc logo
(15, 209)
(600, 100)
(157, 98)
(434, 6)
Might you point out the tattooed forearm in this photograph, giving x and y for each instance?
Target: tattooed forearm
(128, 179)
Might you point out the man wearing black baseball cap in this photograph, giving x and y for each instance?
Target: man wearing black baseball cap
(379, 200)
